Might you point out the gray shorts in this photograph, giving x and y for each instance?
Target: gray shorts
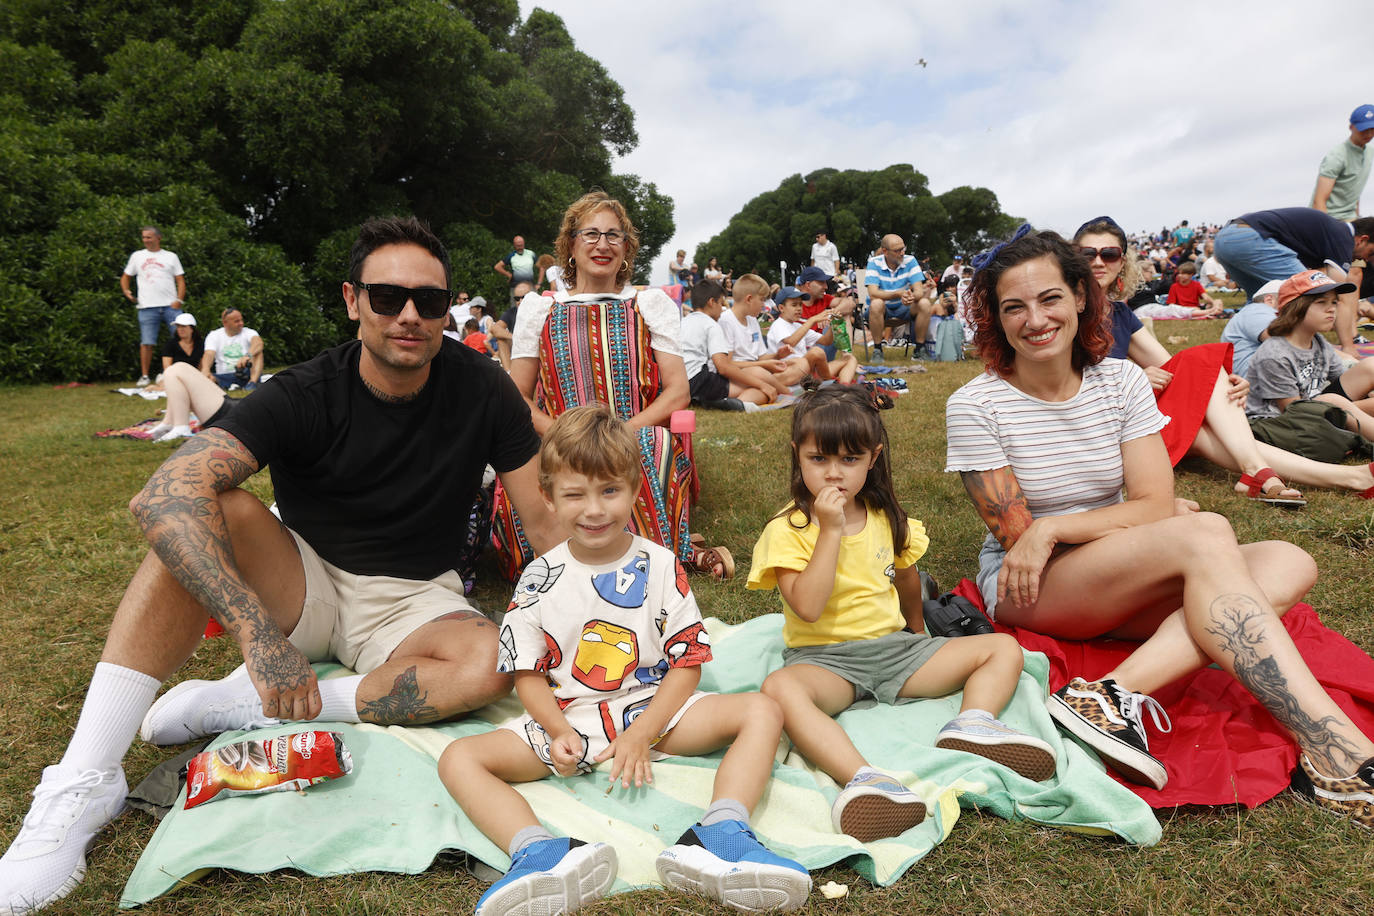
(876, 667)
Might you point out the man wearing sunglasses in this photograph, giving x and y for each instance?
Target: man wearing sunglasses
(376, 450)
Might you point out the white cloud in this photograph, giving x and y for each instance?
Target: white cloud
(1150, 112)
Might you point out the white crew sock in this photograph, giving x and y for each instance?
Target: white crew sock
(339, 699)
(979, 713)
(116, 702)
(527, 835)
(725, 809)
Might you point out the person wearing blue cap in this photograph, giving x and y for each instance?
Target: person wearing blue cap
(1345, 170)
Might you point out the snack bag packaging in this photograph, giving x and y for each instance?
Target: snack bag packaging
(279, 764)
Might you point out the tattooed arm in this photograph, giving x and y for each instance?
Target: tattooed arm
(1030, 544)
(180, 514)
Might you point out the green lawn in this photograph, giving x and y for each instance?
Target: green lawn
(68, 546)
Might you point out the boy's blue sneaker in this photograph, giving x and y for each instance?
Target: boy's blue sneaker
(994, 739)
(551, 876)
(874, 806)
(726, 862)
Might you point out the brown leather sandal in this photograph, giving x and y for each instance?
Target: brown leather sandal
(1254, 488)
(716, 562)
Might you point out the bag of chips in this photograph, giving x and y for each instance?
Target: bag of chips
(279, 764)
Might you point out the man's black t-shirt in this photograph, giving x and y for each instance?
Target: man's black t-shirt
(376, 488)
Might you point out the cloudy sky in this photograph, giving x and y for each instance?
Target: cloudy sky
(1152, 112)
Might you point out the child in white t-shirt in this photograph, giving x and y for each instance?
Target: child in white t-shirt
(801, 339)
(740, 325)
(714, 378)
(606, 644)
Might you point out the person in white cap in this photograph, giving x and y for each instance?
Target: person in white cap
(1249, 327)
(1345, 169)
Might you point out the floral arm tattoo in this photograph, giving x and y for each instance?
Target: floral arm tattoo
(1000, 503)
(179, 512)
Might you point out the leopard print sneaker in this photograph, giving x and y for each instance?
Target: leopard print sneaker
(1352, 796)
(1106, 717)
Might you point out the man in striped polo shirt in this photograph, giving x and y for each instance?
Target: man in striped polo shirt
(895, 283)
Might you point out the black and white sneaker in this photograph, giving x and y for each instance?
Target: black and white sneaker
(1106, 717)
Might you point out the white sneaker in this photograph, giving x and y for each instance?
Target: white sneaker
(47, 860)
(197, 709)
(173, 433)
(143, 381)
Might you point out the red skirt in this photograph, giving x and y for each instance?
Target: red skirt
(1184, 400)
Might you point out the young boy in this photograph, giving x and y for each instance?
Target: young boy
(740, 326)
(1187, 292)
(606, 643)
(802, 341)
(473, 336)
(715, 379)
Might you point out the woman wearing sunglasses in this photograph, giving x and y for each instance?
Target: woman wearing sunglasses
(602, 342)
(1196, 389)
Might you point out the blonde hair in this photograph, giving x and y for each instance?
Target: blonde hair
(589, 440)
(582, 208)
(751, 283)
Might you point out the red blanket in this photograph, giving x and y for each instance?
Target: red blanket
(1224, 748)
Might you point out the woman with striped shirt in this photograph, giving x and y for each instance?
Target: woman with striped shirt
(1046, 440)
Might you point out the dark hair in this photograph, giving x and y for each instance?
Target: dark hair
(394, 230)
(842, 417)
(1094, 338)
(704, 291)
(1363, 226)
(1291, 315)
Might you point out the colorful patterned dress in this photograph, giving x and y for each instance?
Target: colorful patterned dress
(598, 352)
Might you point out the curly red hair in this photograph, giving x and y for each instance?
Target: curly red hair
(1094, 338)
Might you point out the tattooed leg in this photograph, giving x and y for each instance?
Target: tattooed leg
(404, 705)
(1252, 643)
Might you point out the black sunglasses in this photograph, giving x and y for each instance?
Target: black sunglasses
(1109, 255)
(388, 300)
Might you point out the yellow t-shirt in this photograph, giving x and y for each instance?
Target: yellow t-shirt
(864, 603)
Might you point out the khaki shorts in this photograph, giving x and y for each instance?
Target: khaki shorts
(360, 620)
(877, 668)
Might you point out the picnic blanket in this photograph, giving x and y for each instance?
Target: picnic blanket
(141, 430)
(1225, 748)
(393, 814)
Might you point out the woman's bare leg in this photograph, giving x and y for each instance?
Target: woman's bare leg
(1292, 468)
(1225, 597)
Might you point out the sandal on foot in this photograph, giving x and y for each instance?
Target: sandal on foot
(1367, 494)
(716, 562)
(696, 540)
(1254, 488)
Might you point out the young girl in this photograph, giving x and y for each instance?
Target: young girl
(843, 555)
(1296, 363)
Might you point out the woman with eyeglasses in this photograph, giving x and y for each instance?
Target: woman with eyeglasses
(1059, 450)
(1196, 389)
(602, 342)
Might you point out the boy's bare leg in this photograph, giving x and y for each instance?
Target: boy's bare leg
(750, 724)
(478, 772)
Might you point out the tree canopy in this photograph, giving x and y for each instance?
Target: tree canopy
(257, 135)
(856, 209)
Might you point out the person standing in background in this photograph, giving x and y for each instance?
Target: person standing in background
(1344, 171)
(161, 293)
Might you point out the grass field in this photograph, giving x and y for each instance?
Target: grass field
(68, 546)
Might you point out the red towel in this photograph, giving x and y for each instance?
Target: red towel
(1225, 748)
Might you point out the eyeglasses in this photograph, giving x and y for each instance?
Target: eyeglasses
(388, 300)
(1108, 255)
(592, 236)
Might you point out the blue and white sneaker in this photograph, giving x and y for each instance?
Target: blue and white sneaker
(551, 876)
(992, 738)
(727, 863)
(873, 806)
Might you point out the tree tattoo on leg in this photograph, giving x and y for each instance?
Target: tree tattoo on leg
(404, 705)
(1238, 624)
